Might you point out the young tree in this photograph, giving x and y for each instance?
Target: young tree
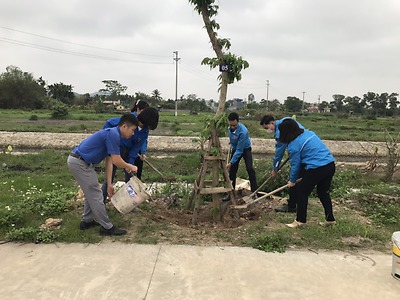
(208, 10)
(114, 88)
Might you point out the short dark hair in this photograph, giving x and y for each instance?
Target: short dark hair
(149, 118)
(233, 116)
(140, 104)
(289, 130)
(128, 119)
(267, 119)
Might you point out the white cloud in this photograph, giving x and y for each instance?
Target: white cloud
(320, 47)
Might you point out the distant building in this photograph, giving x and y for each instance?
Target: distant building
(112, 102)
(237, 104)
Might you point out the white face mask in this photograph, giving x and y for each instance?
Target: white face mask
(269, 130)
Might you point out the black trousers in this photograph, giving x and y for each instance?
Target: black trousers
(292, 201)
(248, 159)
(139, 165)
(321, 178)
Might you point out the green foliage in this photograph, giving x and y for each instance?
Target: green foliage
(59, 110)
(32, 235)
(19, 89)
(33, 118)
(221, 125)
(237, 64)
(61, 92)
(269, 242)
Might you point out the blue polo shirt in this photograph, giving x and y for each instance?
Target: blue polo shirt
(135, 144)
(100, 144)
(280, 147)
(309, 151)
(239, 140)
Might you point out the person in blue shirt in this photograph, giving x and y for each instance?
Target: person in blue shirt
(268, 122)
(102, 144)
(241, 147)
(307, 150)
(135, 147)
(139, 106)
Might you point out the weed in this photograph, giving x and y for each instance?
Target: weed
(269, 242)
(31, 234)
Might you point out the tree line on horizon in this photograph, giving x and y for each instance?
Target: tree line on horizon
(20, 90)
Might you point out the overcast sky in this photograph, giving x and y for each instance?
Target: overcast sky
(320, 47)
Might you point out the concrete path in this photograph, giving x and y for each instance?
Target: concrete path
(154, 272)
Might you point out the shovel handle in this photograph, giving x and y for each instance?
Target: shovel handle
(151, 166)
(265, 196)
(269, 178)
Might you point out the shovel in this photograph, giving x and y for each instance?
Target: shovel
(249, 198)
(168, 178)
(263, 196)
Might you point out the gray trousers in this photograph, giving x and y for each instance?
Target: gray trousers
(94, 207)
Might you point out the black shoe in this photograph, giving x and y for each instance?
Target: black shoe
(254, 197)
(85, 225)
(112, 231)
(226, 198)
(285, 208)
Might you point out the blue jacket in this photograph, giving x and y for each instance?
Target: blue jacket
(135, 144)
(280, 147)
(239, 140)
(309, 151)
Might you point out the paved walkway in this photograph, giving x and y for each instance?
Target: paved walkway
(154, 272)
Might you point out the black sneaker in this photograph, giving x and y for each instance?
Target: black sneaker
(285, 209)
(85, 225)
(226, 198)
(112, 231)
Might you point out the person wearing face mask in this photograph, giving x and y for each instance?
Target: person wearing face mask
(271, 125)
(241, 147)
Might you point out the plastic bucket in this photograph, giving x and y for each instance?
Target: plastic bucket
(130, 195)
(396, 255)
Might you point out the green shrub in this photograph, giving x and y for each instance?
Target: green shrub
(59, 111)
(33, 118)
(31, 234)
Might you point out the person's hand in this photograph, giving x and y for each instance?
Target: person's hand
(142, 156)
(131, 169)
(274, 173)
(228, 166)
(291, 184)
(110, 190)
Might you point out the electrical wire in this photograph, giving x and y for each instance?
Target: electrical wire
(82, 45)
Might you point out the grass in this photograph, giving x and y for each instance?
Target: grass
(328, 126)
(35, 187)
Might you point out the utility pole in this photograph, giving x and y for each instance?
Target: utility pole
(303, 101)
(176, 59)
(319, 99)
(267, 92)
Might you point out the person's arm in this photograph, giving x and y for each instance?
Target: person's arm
(143, 148)
(279, 152)
(109, 170)
(295, 165)
(120, 163)
(239, 149)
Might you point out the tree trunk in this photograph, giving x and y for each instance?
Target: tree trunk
(220, 55)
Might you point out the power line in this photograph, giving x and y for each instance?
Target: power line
(78, 44)
(61, 51)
